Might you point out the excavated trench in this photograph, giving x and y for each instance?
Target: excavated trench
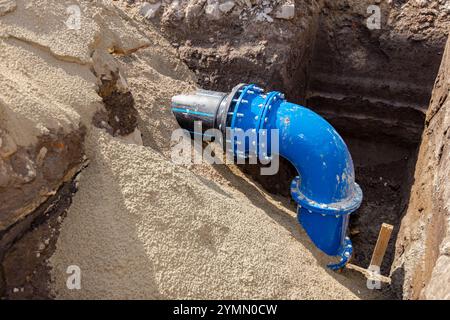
(384, 168)
(376, 102)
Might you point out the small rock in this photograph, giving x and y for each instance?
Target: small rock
(268, 18)
(24, 167)
(41, 155)
(213, 11)
(7, 145)
(446, 8)
(193, 10)
(422, 3)
(445, 248)
(149, 10)
(286, 11)
(7, 6)
(5, 176)
(15, 290)
(226, 6)
(263, 17)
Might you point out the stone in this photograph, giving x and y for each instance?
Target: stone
(7, 145)
(7, 6)
(212, 11)
(286, 11)
(226, 6)
(5, 175)
(149, 10)
(263, 17)
(193, 10)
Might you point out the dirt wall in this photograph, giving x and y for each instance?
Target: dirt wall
(383, 74)
(423, 245)
(252, 42)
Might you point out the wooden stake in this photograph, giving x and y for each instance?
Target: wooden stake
(381, 246)
(377, 256)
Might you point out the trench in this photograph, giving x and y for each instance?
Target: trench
(384, 168)
(378, 105)
(379, 110)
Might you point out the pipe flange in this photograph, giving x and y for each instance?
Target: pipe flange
(272, 97)
(229, 102)
(345, 254)
(342, 207)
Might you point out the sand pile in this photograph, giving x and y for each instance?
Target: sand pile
(140, 226)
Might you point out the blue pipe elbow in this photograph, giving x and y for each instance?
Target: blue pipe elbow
(325, 189)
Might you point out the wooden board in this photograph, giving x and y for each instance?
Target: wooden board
(381, 246)
(377, 256)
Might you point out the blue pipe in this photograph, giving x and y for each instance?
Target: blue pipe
(324, 190)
